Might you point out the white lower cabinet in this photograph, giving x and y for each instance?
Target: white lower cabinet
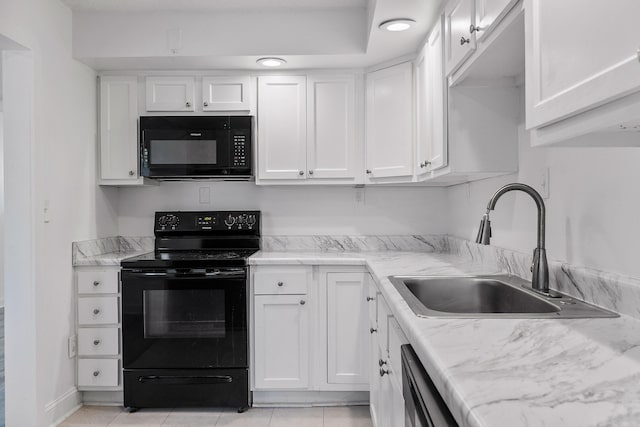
(98, 331)
(310, 332)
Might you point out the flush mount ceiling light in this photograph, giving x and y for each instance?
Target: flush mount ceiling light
(271, 62)
(400, 24)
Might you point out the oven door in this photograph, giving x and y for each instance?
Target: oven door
(178, 152)
(184, 319)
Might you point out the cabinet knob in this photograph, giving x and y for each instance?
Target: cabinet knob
(300, 173)
(425, 164)
(464, 41)
(131, 173)
(188, 104)
(370, 298)
(96, 283)
(96, 311)
(310, 172)
(302, 302)
(96, 342)
(384, 372)
(280, 284)
(382, 362)
(368, 171)
(96, 373)
(474, 29)
(373, 330)
(206, 104)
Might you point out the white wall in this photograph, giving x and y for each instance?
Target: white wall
(592, 211)
(294, 210)
(64, 162)
(1, 196)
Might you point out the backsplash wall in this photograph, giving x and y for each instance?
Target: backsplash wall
(291, 210)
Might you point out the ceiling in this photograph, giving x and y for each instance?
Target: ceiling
(232, 34)
(210, 5)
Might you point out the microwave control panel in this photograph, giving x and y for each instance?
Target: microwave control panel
(241, 146)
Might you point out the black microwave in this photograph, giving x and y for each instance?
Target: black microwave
(177, 147)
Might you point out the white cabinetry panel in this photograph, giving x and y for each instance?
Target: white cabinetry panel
(118, 128)
(347, 331)
(389, 122)
(98, 373)
(579, 57)
(282, 127)
(281, 280)
(170, 93)
(98, 342)
(460, 42)
(97, 282)
(226, 93)
(97, 310)
(281, 342)
(331, 139)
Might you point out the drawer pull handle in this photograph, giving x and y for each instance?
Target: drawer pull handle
(280, 284)
(464, 41)
(96, 373)
(96, 342)
(302, 302)
(370, 298)
(384, 372)
(96, 311)
(96, 283)
(372, 330)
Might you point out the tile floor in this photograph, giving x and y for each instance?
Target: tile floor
(342, 416)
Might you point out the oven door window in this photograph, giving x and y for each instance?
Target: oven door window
(183, 152)
(188, 313)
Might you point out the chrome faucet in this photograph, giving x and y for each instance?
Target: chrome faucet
(540, 267)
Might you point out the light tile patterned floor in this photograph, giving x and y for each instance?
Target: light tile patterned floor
(102, 416)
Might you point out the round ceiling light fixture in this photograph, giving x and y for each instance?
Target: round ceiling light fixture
(395, 25)
(271, 62)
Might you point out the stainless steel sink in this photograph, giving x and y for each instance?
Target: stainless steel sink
(495, 296)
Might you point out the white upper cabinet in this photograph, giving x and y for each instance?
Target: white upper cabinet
(389, 122)
(282, 130)
(431, 137)
(460, 41)
(170, 93)
(118, 130)
(226, 93)
(489, 12)
(331, 127)
(579, 56)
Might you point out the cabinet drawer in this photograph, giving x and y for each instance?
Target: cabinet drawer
(98, 282)
(98, 342)
(285, 281)
(98, 372)
(97, 310)
(396, 339)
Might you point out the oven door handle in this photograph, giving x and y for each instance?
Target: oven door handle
(217, 274)
(174, 379)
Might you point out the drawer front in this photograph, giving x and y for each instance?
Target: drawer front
(98, 282)
(396, 339)
(98, 372)
(98, 342)
(97, 310)
(282, 281)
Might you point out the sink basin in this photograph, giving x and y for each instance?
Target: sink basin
(496, 296)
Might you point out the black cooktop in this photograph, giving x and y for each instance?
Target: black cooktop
(189, 259)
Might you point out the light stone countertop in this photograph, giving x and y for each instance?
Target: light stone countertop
(508, 372)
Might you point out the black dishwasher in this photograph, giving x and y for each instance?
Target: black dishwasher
(423, 405)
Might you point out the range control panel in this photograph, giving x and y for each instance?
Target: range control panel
(222, 222)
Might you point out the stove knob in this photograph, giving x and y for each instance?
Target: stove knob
(251, 219)
(162, 220)
(230, 221)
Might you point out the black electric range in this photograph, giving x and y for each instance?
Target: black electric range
(185, 312)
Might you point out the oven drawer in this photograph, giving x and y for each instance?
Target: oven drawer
(98, 342)
(98, 372)
(98, 282)
(281, 281)
(97, 310)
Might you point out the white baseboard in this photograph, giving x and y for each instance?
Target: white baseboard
(309, 398)
(59, 409)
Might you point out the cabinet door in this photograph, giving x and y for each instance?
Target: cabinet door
(423, 111)
(578, 57)
(436, 101)
(374, 375)
(282, 127)
(119, 127)
(331, 139)
(281, 330)
(488, 13)
(170, 93)
(226, 93)
(389, 122)
(460, 42)
(347, 329)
